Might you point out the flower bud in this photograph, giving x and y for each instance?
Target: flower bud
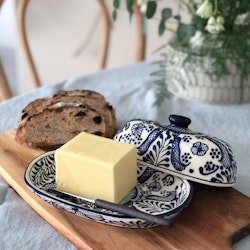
(205, 10)
(211, 21)
(143, 4)
(214, 26)
(220, 20)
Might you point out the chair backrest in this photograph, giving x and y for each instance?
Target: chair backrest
(5, 91)
(21, 13)
(103, 47)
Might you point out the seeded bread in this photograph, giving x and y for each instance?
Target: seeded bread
(50, 122)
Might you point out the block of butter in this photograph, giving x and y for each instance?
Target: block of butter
(96, 167)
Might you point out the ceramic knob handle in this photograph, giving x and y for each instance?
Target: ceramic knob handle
(179, 121)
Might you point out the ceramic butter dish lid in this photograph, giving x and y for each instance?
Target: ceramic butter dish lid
(177, 150)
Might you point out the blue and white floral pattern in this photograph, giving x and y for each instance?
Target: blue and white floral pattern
(156, 193)
(179, 151)
(199, 148)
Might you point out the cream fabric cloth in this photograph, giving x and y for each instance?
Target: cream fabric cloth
(130, 90)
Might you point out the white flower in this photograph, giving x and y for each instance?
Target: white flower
(211, 21)
(220, 20)
(205, 10)
(215, 25)
(143, 4)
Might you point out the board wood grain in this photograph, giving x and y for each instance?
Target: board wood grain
(215, 218)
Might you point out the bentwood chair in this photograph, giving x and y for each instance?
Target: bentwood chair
(5, 91)
(103, 49)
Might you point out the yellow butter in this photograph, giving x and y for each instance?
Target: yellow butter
(96, 167)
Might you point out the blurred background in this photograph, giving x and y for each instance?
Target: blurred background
(64, 37)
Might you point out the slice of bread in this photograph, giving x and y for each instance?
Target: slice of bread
(50, 122)
(98, 104)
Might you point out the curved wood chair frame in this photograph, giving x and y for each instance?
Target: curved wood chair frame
(5, 91)
(21, 14)
(22, 5)
(141, 36)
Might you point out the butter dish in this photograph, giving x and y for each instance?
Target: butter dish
(177, 150)
(156, 193)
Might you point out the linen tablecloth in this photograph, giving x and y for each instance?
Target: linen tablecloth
(130, 90)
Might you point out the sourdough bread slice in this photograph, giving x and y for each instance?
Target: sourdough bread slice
(58, 124)
(105, 109)
(50, 122)
(36, 106)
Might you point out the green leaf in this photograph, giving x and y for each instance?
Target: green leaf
(161, 28)
(114, 14)
(198, 22)
(185, 30)
(129, 5)
(166, 14)
(116, 4)
(151, 8)
(130, 8)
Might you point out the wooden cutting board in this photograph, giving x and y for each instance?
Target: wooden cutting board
(215, 218)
